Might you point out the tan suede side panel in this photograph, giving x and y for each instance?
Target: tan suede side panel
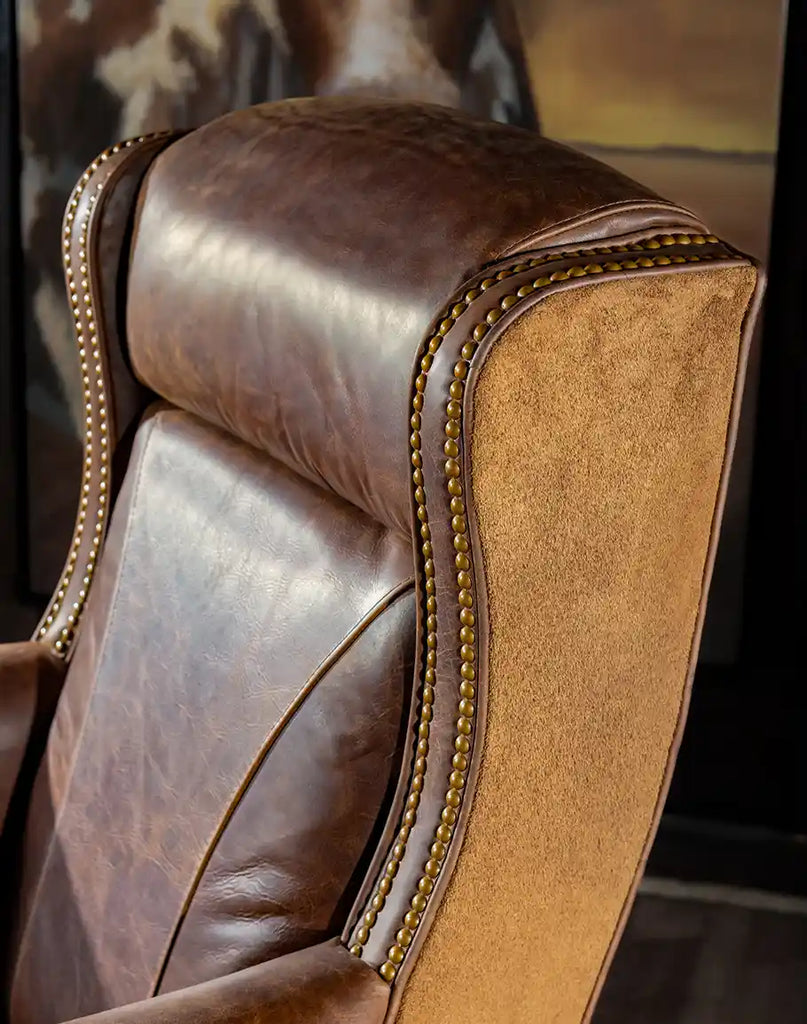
(599, 438)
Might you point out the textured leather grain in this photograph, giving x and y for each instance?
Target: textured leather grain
(280, 877)
(228, 595)
(320, 985)
(325, 235)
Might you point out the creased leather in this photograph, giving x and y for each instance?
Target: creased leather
(279, 878)
(320, 985)
(325, 235)
(232, 582)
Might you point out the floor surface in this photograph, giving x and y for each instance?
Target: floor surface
(696, 954)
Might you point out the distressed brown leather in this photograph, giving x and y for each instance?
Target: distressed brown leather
(236, 604)
(30, 680)
(320, 985)
(338, 228)
(127, 398)
(280, 877)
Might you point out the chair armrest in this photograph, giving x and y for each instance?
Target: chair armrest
(30, 680)
(323, 984)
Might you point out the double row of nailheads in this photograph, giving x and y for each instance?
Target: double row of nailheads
(466, 707)
(96, 442)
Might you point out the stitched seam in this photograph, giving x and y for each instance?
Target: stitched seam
(533, 239)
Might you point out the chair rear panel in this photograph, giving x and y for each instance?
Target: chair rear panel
(228, 732)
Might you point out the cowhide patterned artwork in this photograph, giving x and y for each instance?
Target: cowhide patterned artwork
(92, 72)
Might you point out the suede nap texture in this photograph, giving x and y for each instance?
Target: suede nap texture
(600, 432)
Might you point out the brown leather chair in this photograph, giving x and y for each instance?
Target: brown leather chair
(407, 439)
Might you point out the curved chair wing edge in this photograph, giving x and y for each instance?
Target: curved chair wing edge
(90, 278)
(387, 927)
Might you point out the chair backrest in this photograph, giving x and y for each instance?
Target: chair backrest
(372, 329)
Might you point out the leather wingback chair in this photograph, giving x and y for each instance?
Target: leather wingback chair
(407, 438)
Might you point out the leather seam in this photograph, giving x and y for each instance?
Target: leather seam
(329, 662)
(533, 239)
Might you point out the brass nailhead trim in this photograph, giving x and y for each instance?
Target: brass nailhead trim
(96, 439)
(466, 707)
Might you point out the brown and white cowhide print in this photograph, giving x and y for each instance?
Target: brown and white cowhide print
(92, 72)
(464, 53)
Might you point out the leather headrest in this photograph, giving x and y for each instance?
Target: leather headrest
(289, 259)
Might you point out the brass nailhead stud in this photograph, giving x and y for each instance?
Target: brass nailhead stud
(432, 868)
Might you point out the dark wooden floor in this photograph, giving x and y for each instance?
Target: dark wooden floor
(701, 955)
